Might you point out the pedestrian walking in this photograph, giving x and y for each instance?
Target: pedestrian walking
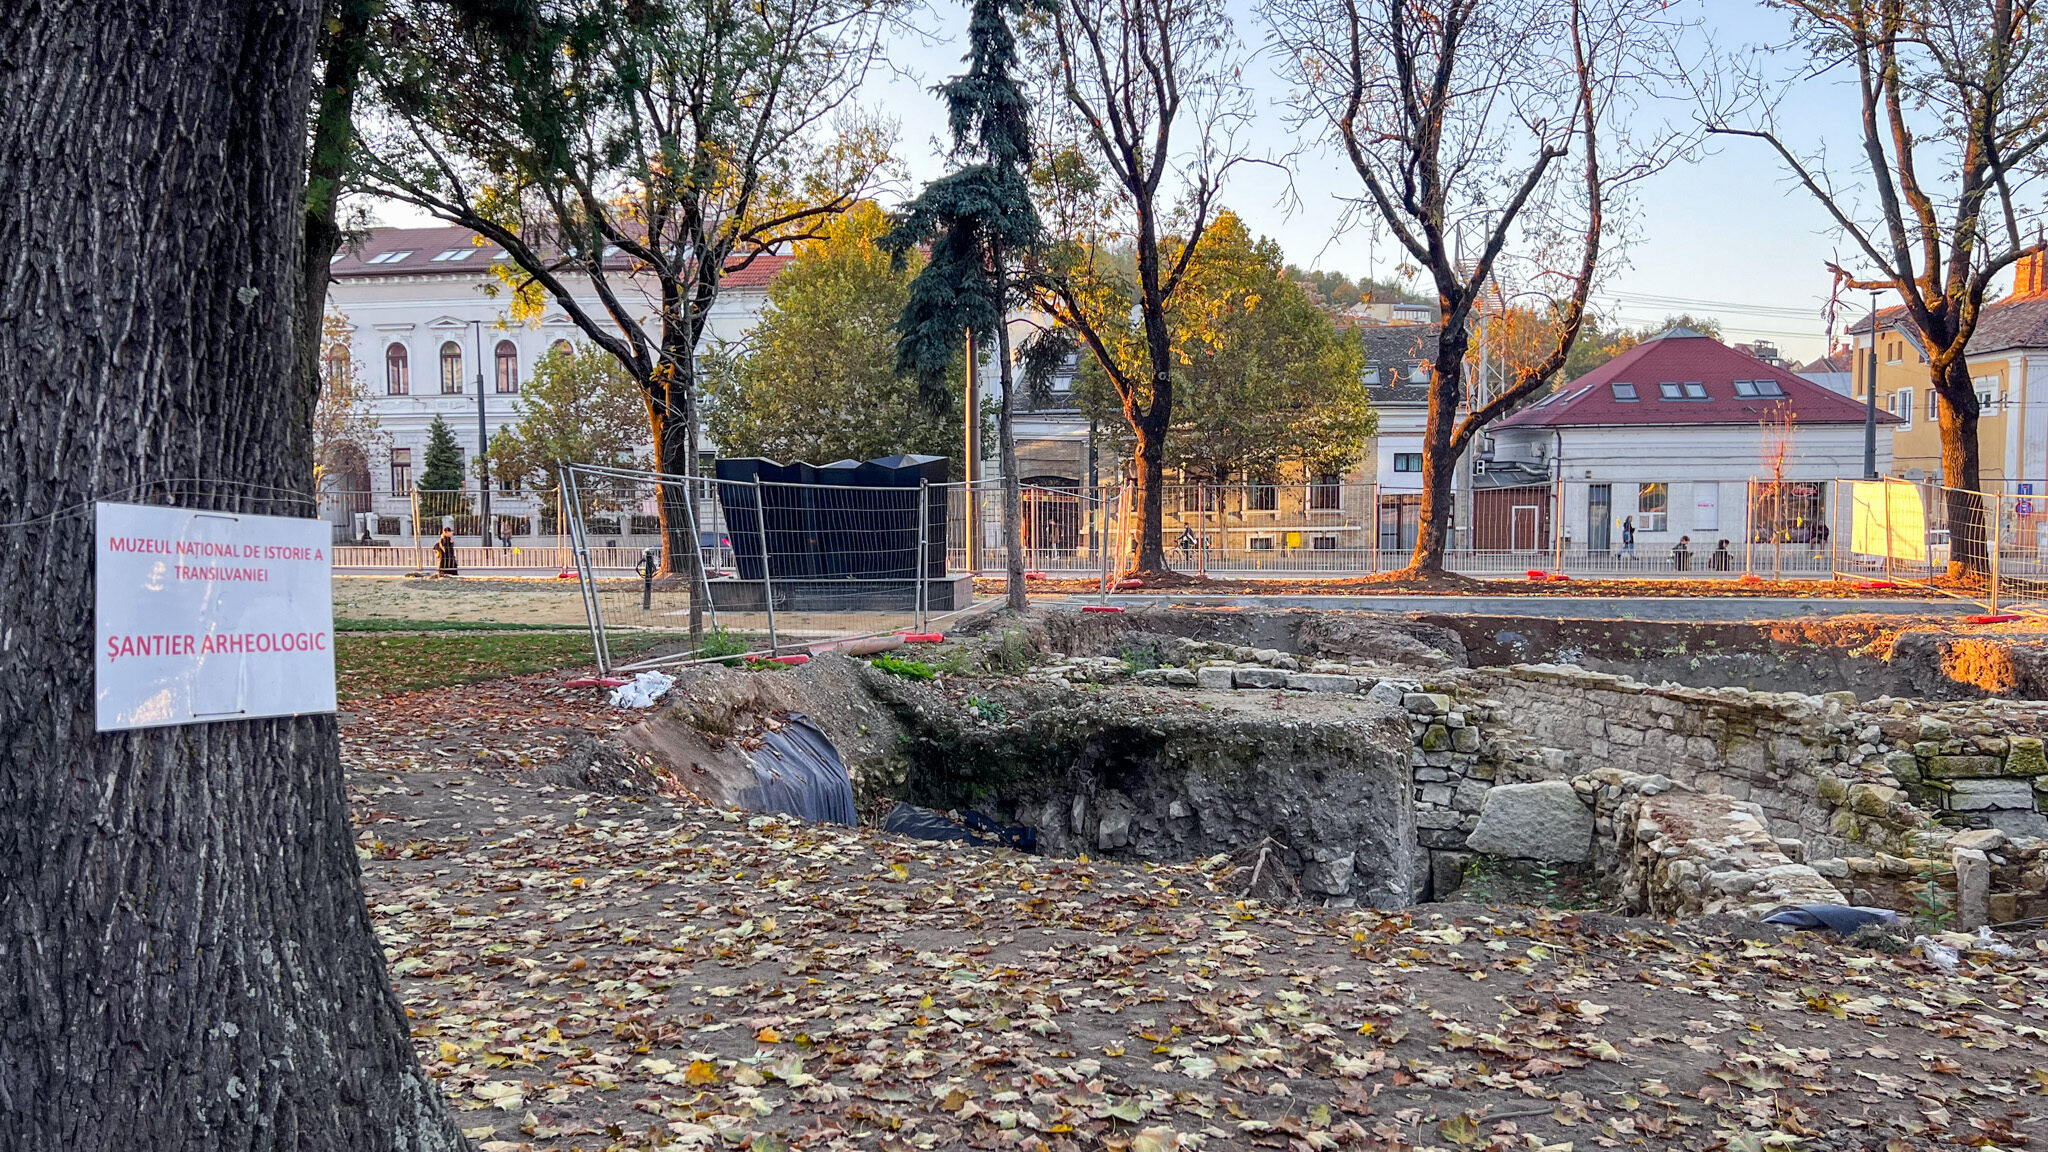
(1186, 545)
(1628, 537)
(1722, 560)
(1681, 554)
(444, 553)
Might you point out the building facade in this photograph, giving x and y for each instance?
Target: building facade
(423, 317)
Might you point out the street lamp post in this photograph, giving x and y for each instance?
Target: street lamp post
(483, 442)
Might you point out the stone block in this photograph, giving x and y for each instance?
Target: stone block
(1114, 831)
(1440, 838)
(1385, 693)
(1542, 821)
(1427, 816)
(1465, 739)
(1259, 678)
(1215, 677)
(1960, 767)
(1973, 888)
(1447, 872)
(2025, 757)
(1981, 839)
(1470, 796)
(1982, 795)
(1436, 738)
(1168, 677)
(1426, 703)
(1321, 682)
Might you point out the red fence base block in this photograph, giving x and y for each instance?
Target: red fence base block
(567, 576)
(1034, 575)
(790, 660)
(1130, 584)
(1872, 585)
(1538, 575)
(1100, 608)
(923, 637)
(2001, 618)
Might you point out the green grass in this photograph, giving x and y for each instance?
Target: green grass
(348, 625)
(370, 665)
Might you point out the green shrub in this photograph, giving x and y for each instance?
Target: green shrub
(908, 669)
(719, 642)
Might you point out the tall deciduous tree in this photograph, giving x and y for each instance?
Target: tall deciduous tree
(1150, 120)
(1480, 131)
(580, 406)
(1264, 379)
(186, 960)
(1952, 117)
(629, 158)
(980, 223)
(817, 378)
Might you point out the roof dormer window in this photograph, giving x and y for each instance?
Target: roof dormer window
(389, 257)
(1694, 390)
(453, 254)
(1625, 392)
(1670, 391)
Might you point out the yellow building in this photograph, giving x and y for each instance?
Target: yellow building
(2008, 361)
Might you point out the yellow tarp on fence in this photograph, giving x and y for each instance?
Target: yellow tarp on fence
(1888, 518)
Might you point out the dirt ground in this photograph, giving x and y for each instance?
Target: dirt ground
(591, 971)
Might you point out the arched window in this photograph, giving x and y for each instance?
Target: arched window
(334, 365)
(451, 368)
(396, 378)
(508, 366)
(564, 347)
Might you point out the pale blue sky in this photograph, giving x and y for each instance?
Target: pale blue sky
(1726, 235)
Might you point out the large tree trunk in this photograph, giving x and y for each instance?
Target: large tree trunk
(1439, 458)
(675, 452)
(1148, 469)
(186, 961)
(1013, 485)
(1969, 529)
(344, 50)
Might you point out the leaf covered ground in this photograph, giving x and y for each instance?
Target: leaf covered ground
(592, 971)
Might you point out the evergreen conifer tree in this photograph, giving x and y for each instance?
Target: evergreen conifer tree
(977, 220)
(440, 487)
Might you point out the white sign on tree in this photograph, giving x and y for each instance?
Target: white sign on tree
(206, 616)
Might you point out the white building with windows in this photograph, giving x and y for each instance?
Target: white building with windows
(426, 323)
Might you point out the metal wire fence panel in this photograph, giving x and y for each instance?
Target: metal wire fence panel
(779, 566)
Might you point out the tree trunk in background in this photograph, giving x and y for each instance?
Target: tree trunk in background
(186, 961)
(1013, 485)
(1969, 532)
(344, 50)
(1439, 458)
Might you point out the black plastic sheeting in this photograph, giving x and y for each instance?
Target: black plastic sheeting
(797, 772)
(972, 828)
(1841, 919)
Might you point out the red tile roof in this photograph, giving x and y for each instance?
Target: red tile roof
(1683, 356)
(452, 251)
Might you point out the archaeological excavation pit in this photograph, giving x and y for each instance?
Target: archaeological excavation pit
(1347, 758)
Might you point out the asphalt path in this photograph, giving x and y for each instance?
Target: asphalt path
(1671, 608)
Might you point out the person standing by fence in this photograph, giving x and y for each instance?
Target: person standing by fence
(1628, 537)
(444, 553)
(1681, 554)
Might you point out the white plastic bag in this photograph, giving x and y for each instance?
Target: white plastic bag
(1938, 954)
(643, 690)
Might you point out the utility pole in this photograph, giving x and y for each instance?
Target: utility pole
(1870, 399)
(483, 441)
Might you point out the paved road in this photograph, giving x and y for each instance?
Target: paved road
(1578, 607)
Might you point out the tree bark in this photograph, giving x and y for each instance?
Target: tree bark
(1439, 455)
(1961, 470)
(186, 961)
(1013, 485)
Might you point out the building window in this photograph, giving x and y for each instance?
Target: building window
(1933, 405)
(1263, 498)
(1759, 388)
(1694, 390)
(1325, 543)
(1894, 351)
(401, 471)
(1624, 391)
(334, 366)
(1372, 373)
(1261, 543)
(451, 368)
(1407, 461)
(397, 380)
(508, 484)
(1653, 503)
(1670, 391)
(1419, 374)
(508, 366)
(452, 255)
(1326, 494)
(1906, 406)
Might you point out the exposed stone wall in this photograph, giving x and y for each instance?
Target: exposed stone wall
(1677, 852)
